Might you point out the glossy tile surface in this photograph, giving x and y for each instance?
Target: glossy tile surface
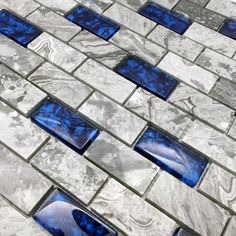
(181, 232)
(229, 29)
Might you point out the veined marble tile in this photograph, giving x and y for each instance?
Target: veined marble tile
(132, 4)
(211, 39)
(60, 85)
(177, 43)
(70, 170)
(112, 117)
(96, 5)
(130, 213)
(169, 4)
(54, 24)
(202, 106)
(232, 131)
(159, 112)
(138, 46)
(190, 207)
(20, 183)
(188, 72)
(97, 48)
(18, 92)
(122, 162)
(105, 80)
(17, 57)
(220, 185)
(231, 228)
(57, 52)
(19, 133)
(212, 143)
(130, 19)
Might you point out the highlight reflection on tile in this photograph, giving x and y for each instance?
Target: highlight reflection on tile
(229, 29)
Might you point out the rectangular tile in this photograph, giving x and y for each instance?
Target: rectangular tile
(229, 29)
(132, 4)
(169, 4)
(182, 232)
(231, 228)
(200, 2)
(232, 131)
(96, 5)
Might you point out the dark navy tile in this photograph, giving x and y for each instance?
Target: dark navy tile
(93, 22)
(168, 19)
(65, 125)
(229, 29)
(17, 29)
(171, 156)
(181, 232)
(63, 216)
(147, 76)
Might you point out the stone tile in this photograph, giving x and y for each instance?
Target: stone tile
(232, 131)
(112, 117)
(169, 4)
(70, 170)
(96, 5)
(190, 207)
(57, 52)
(200, 2)
(132, 4)
(138, 46)
(188, 72)
(19, 133)
(159, 112)
(122, 162)
(177, 43)
(182, 232)
(130, 19)
(231, 228)
(18, 92)
(202, 106)
(53, 23)
(211, 39)
(17, 57)
(58, 84)
(217, 146)
(130, 213)
(220, 185)
(97, 48)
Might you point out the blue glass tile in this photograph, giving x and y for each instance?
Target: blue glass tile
(181, 232)
(168, 19)
(63, 216)
(229, 29)
(17, 29)
(65, 125)
(93, 22)
(171, 156)
(147, 76)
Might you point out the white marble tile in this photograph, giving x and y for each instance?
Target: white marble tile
(96, 5)
(169, 4)
(232, 131)
(231, 228)
(132, 4)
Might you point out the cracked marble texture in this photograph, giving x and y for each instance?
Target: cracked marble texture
(96, 5)
(231, 228)
(131, 213)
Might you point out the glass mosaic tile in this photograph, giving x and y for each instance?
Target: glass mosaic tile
(93, 22)
(65, 125)
(171, 156)
(181, 232)
(17, 29)
(229, 29)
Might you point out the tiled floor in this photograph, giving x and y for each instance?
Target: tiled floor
(117, 117)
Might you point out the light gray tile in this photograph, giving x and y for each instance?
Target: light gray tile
(132, 4)
(57, 52)
(122, 162)
(131, 213)
(200, 2)
(188, 72)
(231, 228)
(96, 5)
(169, 4)
(188, 206)
(112, 117)
(60, 85)
(232, 131)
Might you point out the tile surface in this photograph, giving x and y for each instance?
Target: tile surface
(96, 5)
(232, 131)
(231, 227)
(229, 29)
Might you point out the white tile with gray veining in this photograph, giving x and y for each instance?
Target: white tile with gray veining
(231, 227)
(96, 5)
(232, 131)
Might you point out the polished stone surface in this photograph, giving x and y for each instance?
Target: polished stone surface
(96, 5)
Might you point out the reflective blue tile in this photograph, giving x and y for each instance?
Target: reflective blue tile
(17, 29)
(63, 216)
(65, 125)
(181, 232)
(229, 29)
(93, 22)
(171, 156)
(147, 76)
(168, 19)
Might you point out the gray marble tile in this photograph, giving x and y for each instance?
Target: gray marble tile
(190, 207)
(130, 19)
(217, 146)
(97, 48)
(138, 46)
(18, 92)
(57, 52)
(159, 112)
(169, 4)
(132, 4)
(122, 162)
(177, 43)
(17, 57)
(54, 23)
(231, 228)
(200, 2)
(188, 72)
(211, 39)
(70, 170)
(130, 213)
(113, 118)
(19, 133)
(220, 185)
(232, 131)
(96, 5)
(60, 85)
